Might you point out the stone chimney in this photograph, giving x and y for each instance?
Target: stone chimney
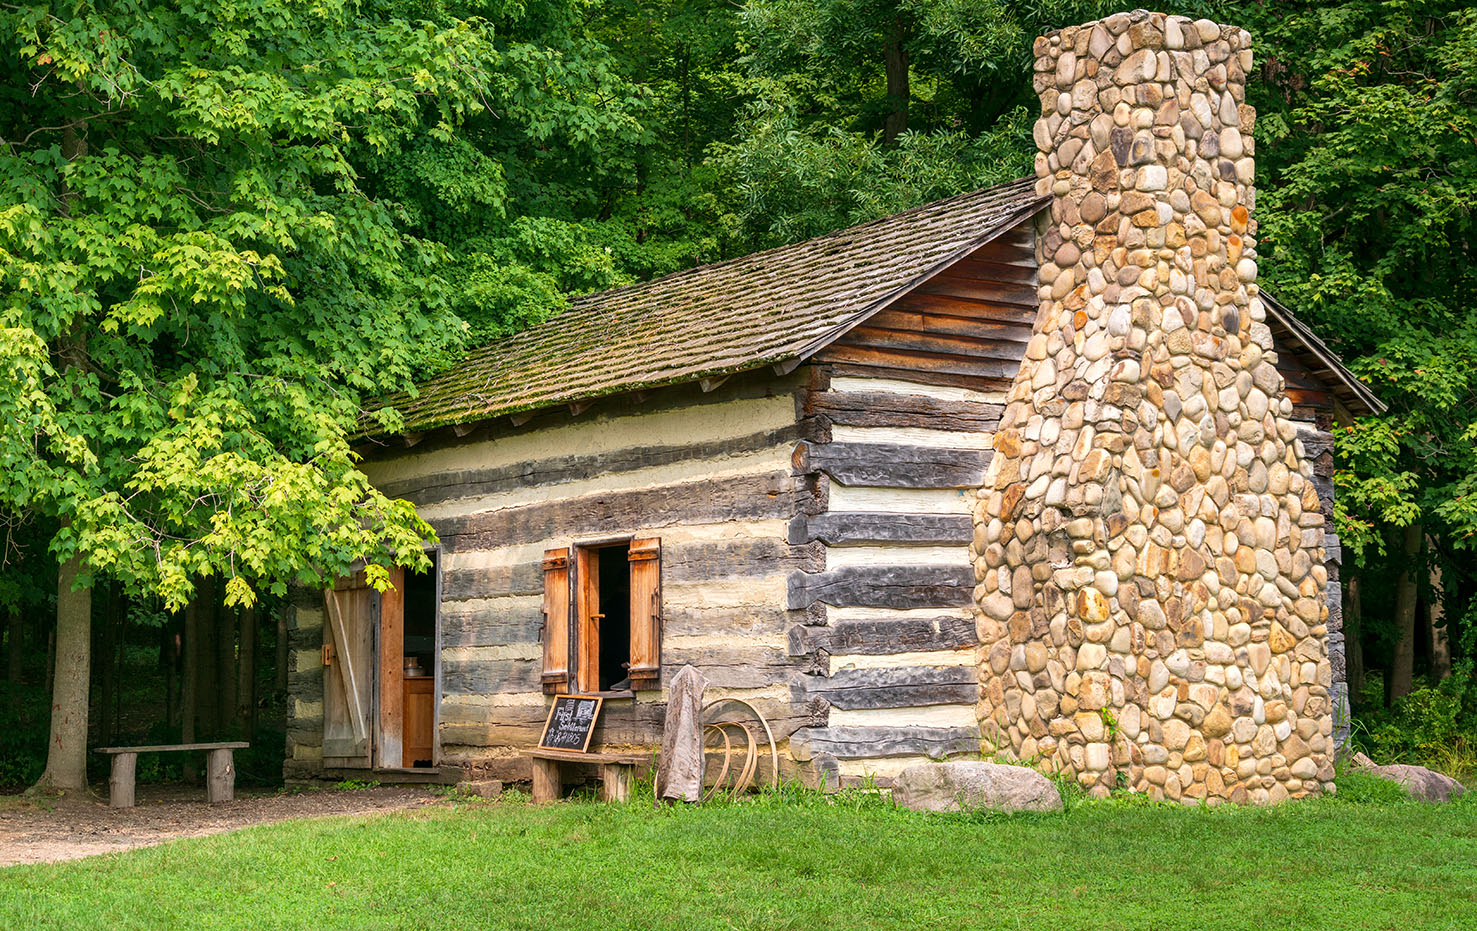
(1148, 543)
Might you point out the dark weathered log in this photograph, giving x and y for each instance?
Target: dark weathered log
(121, 782)
(750, 497)
(839, 528)
(615, 781)
(489, 676)
(894, 466)
(742, 558)
(752, 620)
(907, 359)
(164, 748)
(443, 486)
(884, 587)
(890, 409)
(884, 637)
(904, 687)
(871, 742)
(937, 341)
(622, 723)
(220, 777)
(1315, 442)
(921, 374)
(698, 561)
(547, 784)
(759, 383)
(483, 625)
(738, 666)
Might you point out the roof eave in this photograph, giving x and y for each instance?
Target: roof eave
(1357, 390)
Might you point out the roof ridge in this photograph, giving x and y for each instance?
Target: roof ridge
(768, 306)
(1001, 189)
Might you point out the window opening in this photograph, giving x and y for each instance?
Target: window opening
(614, 572)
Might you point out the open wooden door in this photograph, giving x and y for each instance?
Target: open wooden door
(349, 620)
(389, 738)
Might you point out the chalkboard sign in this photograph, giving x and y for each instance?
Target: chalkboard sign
(571, 722)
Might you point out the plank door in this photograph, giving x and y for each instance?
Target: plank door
(391, 692)
(349, 620)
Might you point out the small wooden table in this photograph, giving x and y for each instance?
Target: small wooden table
(220, 770)
(617, 772)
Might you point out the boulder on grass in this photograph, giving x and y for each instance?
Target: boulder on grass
(1424, 785)
(972, 786)
(481, 788)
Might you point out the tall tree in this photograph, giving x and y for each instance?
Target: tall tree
(1367, 112)
(195, 290)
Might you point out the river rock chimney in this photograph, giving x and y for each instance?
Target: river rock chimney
(1148, 544)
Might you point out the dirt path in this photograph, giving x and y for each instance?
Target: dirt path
(67, 829)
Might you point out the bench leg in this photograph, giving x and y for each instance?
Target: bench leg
(220, 777)
(546, 782)
(120, 784)
(615, 781)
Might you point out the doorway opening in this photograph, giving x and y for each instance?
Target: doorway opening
(418, 670)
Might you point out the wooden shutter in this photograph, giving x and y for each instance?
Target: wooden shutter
(646, 613)
(556, 620)
(348, 649)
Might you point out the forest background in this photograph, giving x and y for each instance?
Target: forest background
(227, 226)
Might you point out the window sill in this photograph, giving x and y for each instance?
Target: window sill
(612, 696)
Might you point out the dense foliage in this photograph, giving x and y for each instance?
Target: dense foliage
(226, 224)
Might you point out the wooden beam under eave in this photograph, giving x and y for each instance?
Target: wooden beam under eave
(462, 429)
(579, 407)
(788, 366)
(520, 418)
(711, 384)
(410, 439)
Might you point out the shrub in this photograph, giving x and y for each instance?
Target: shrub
(1433, 726)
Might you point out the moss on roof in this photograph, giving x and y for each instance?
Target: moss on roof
(769, 307)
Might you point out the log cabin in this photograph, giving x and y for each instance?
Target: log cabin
(764, 468)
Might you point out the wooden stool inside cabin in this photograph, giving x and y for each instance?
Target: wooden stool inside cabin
(617, 772)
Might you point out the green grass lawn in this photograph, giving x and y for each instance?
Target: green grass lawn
(797, 862)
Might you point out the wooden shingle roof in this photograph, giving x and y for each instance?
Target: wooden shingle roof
(1289, 331)
(771, 307)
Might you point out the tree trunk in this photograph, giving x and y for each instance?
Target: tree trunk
(189, 678)
(1436, 619)
(225, 669)
(14, 647)
(169, 659)
(50, 659)
(246, 677)
(1353, 644)
(107, 728)
(206, 721)
(1402, 667)
(279, 681)
(120, 641)
(895, 59)
(66, 751)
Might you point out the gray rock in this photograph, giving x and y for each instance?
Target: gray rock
(1423, 784)
(481, 788)
(968, 786)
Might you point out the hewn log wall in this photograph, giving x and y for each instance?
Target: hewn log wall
(912, 400)
(709, 474)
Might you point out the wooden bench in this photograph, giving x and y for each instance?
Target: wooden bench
(617, 772)
(220, 770)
